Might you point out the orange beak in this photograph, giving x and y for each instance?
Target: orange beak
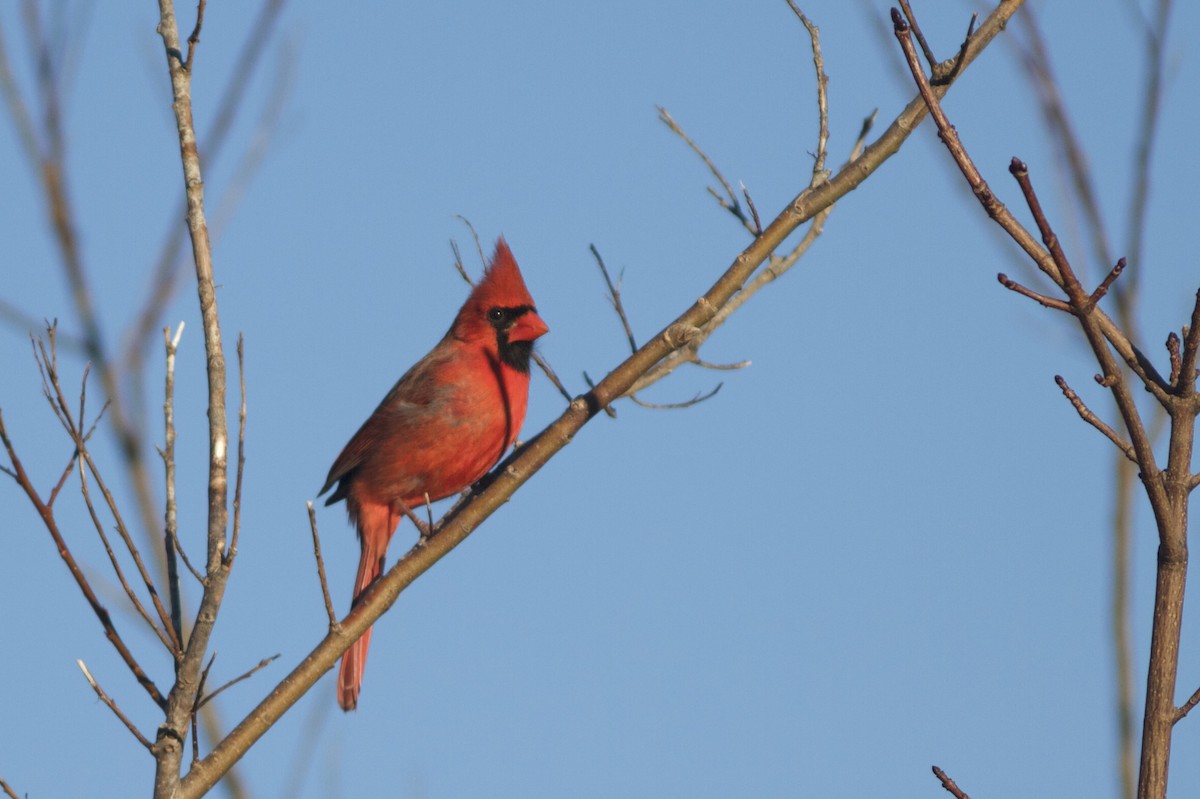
(528, 327)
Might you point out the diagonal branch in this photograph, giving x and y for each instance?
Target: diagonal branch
(950, 785)
(107, 700)
(64, 551)
(1086, 414)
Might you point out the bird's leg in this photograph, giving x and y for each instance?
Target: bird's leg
(423, 529)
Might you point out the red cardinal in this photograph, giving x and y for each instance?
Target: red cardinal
(447, 421)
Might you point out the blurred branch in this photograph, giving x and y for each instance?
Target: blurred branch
(46, 359)
(1151, 113)
(1035, 57)
(16, 470)
(169, 264)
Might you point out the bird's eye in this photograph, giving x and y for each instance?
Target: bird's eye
(495, 314)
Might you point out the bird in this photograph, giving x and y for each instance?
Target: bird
(442, 427)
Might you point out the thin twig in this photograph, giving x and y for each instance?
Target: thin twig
(106, 699)
(164, 636)
(722, 367)
(1069, 282)
(1095, 421)
(130, 545)
(4, 786)
(758, 228)
(1191, 354)
(672, 406)
(458, 263)
(930, 58)
(949, 784)
(814, 35)
(775, 265)
(1142, 367)
(614, 296)
(171, 545)
(47, 515)
(1187, 706)
(548, 370)
(231, 553)
(730, 201)
(941, 72)
(1102, 289)
(478, 244)
(1174, 352)
(70, 467)
(1041, 299)
(196, 707)
(47, 358)
(194, 39)
(262, 664)
(312, 523)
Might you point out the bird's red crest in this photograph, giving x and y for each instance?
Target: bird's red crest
(502, 283)
(501, 286)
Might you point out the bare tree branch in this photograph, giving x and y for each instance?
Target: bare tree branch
(949, 784)
(1166, 489)
(4, 786)
(107, 700)
(1086, 414)
(1187, 706)
(231, 553)
(312, 523)
(181, 701)
(262, 664)
(614, 296)
(17, 470)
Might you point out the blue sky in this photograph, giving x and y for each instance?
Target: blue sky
(882, 546)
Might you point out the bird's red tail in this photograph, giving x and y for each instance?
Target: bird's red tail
(370, 566)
